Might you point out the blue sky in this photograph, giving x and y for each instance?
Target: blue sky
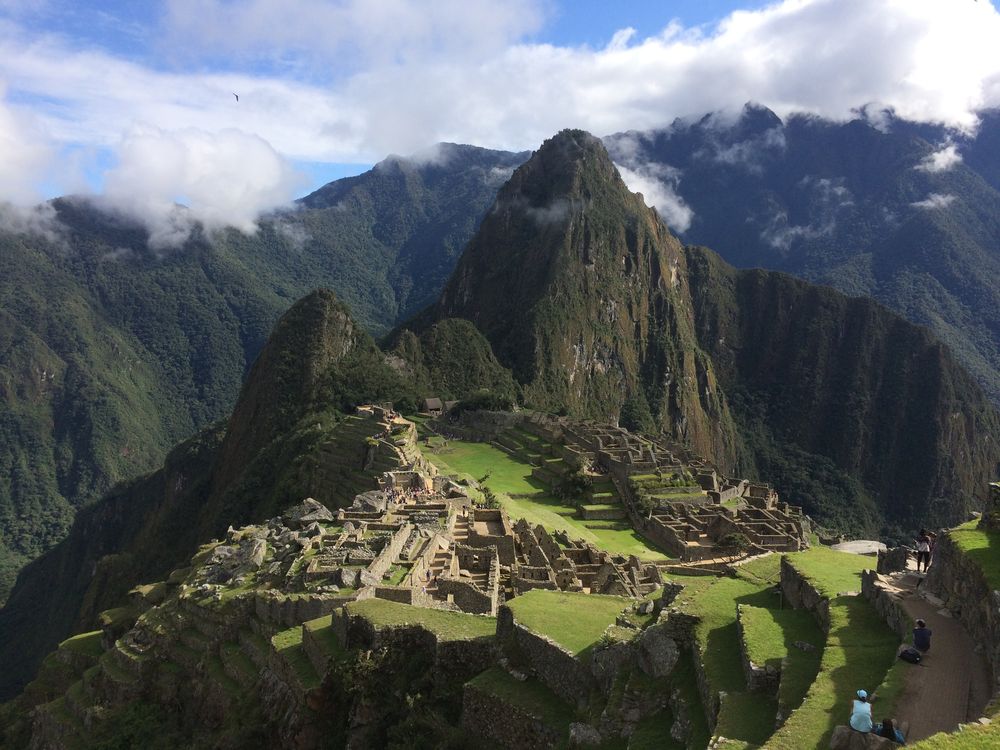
(133, 100)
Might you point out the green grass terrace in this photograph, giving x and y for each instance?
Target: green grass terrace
(575, 621)
(524, 497)
(448, 626)
(860, 652)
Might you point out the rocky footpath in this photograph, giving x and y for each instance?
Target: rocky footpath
(959, 582)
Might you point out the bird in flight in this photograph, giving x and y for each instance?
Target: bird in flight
(237, 97)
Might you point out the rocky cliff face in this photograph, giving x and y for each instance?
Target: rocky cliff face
(819, 380)
(904, 212)
(583, 293)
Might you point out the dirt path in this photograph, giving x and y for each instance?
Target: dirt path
(951, 685)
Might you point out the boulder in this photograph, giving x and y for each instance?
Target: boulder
(845, 738)
(256, 553)
(367, 578)
(892, 560)
(583, 735)
(307, 512)
(658, 652)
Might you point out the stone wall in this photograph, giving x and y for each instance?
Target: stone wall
(508, 726)
(801, 594)
(390, 552)
(760, 678)
(401, 594)
(888, 603)
(564, 674)
(960, 583)
(467, 596)
(282, 611)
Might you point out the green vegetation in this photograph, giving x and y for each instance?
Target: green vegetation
(982, 547)
(525, 497)
(575, 621)
(860, 651)
(322, 630)
(530, 696)
(748, 717)
(831, 572)
(770, 635)
(653, 733)
(684, 679)
(396, 574)
(449, 626)
(288, 644)
(87, 644)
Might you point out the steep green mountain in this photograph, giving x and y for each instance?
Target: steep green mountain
(906, 213)
(861, 417)
(857, 414)
(289, 436)
(110, 353)
(582, 292)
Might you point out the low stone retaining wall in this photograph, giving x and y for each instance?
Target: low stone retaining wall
(760, 678)
(508, 726)
(960, 583)
(603, 514)
(801, 594)
(454, 661)
(285, 611)
(564, 674)
(888, 604)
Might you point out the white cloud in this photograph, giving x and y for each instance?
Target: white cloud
(657, 184)
(934, 201)
(26, 155)
(353, 80)
(941, 160)
(826, 197)
(351, 32)
(225, 178)
(748, 154)
(39, 220)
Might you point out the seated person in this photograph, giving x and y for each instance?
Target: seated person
(861, 712)
(888, 730)
(922, 637)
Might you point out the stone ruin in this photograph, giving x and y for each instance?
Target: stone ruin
(419, 539)
(710, 508)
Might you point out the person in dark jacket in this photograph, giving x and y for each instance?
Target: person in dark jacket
(888, 730)
(922, 637)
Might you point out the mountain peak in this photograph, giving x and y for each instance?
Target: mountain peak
(569, 164)
(581, 291)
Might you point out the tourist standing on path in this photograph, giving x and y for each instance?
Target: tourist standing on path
(923, 550)
(922, 637)
(861, 712)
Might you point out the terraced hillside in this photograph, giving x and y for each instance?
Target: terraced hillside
(518, 476)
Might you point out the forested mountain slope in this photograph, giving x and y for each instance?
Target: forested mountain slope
(110, 353)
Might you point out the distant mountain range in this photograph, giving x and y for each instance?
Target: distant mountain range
(905, 213)
(110, 353)
(572, 296)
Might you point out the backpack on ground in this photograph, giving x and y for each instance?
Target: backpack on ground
(910, 654)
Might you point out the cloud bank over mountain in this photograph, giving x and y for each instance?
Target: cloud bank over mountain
(351, 81)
